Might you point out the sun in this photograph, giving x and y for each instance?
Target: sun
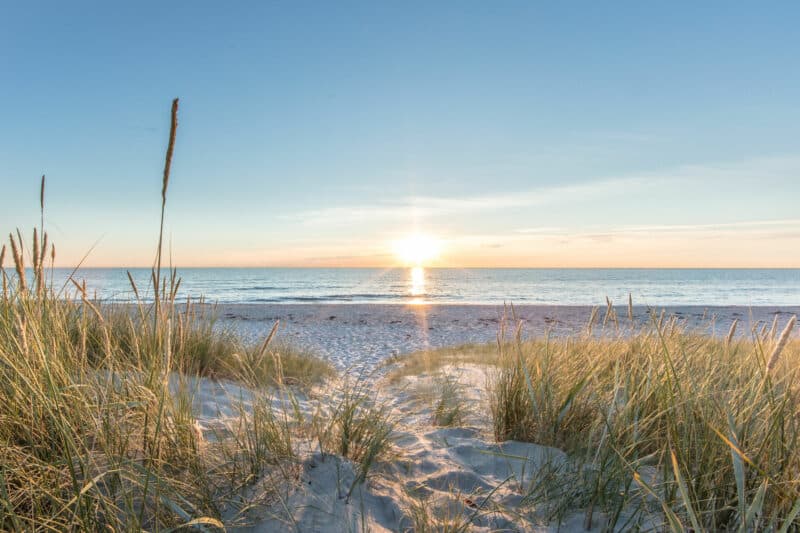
(417, 249)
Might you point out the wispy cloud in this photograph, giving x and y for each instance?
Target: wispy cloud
(603, 233)
(757, 171)
(426, 207)
(542, 230)
(753, 243)
(668, 228)
(714, 227)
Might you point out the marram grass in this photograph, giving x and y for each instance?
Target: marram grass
(716, 421)
(92, 435)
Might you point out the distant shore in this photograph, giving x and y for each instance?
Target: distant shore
(362, 335)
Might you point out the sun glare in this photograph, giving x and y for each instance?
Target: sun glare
(417, 249)
(417, 281)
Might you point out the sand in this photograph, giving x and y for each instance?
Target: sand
(359, 336)
(457, 473)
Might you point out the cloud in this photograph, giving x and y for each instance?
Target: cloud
(541, 230)
(761, 171)
(741, 228)
(424, 207)
(719, 226)
(783, 228)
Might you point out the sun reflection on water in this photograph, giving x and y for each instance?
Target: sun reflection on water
(417, 288)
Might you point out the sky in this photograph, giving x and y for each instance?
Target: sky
(514, 134)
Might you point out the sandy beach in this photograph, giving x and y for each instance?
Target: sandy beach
(459, 471)
(456, 473)
(362, 335)
(400, 267)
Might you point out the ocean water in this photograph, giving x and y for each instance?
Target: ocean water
(656, 287)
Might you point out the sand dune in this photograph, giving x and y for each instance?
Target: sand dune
(457, 475)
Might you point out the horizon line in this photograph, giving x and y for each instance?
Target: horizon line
(428, 267)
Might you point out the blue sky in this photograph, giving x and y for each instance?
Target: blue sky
(317, 133)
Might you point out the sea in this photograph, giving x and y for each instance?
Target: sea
(524, 286)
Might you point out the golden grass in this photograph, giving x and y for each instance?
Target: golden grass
(430, 361)
(92, 435)
(717, 418)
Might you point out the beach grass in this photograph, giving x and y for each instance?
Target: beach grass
(449, 408)
(91, 435)
(432, 360)
(352, 423)
(98, 429)
(707, 427)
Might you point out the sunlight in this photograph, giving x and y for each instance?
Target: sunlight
(417, 249)
(417, 281)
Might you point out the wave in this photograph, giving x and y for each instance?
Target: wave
(343, 297)
(347, 297)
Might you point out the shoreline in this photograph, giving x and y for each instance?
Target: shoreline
(361, 336)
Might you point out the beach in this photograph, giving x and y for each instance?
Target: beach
(446, 465)
(363, 335)
(400, 267)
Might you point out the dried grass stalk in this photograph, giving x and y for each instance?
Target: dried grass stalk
(731, 332)
(784, 338)
(19, 264)
(630, 307)
(164, 184)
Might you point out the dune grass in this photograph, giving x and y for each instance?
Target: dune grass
(98, 426)
(199, 344)
(93, 433)
(430, 361)
(447, 516)
(704, 428)
(350, 422)
(90, 435)
(449, 408)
